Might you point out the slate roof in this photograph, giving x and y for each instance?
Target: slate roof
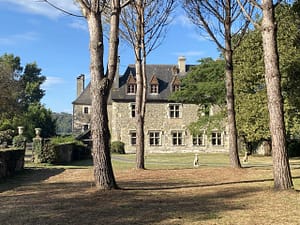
(165, 75)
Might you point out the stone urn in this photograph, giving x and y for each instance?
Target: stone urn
(38, 132)
(20, 130)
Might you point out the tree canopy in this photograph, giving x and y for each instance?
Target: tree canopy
(20, 97)
(251, 97)
(205, 85)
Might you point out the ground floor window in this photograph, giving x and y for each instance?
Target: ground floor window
(177, 138)
(133, 137)
(85, 127)
(154, 138)
(198, 140)
(216, 138)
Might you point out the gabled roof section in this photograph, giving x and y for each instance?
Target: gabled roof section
(154, 80)
(131, 79)
(163, 75)
(176, 81)
(84, 98)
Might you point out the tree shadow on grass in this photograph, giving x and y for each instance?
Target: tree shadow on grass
(28, 176)
(78, 203)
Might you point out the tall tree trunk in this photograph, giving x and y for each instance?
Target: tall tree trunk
(233, 144)
(140, 135)
(100, 88)
(281, 167)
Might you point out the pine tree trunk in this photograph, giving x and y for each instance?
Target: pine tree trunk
(140, 136)
(281, 167)
(100, 87)
(140, 162)
(233, 143)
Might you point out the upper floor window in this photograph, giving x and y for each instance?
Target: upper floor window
(154, 84)
(177, 138)
(175, 84)
(205, 110)
(86, 110)
(131, 88)
(154, 138)
(132, 110)
(131, 84)
(216, 138)
(174, 110)
(154, 89)
(175, 88)
(198, 140)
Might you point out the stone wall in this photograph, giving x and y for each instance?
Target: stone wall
(157, 119)
(80, 119)
(11, 161)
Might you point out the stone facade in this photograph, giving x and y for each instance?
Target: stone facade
(166, 122)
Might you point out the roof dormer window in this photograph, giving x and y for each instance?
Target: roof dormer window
(131, 85)
(175, 84)
(154, 85)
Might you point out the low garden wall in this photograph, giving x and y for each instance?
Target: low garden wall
(46, 152)
(11, 161)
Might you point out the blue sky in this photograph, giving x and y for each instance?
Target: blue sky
(58, 43)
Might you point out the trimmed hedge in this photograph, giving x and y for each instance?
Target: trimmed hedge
(11, 161)
(59, 150)
(117, 147)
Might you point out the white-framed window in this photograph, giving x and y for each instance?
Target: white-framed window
(86, 110)
(198, 140)
(177, 138)
(154, 138)
(154, 88)
(132, 135)
(174, 110)
(131, 88)
(216, 138)
(175, 87)
(205, 110)
(132, 110)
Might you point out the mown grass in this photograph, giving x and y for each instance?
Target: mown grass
(171, 191)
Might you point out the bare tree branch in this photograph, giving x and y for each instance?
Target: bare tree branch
(247, 15)
(60, 9)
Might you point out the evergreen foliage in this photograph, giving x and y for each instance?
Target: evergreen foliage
(20, 97)
(205, 85)
(250, 90)
(117, 147)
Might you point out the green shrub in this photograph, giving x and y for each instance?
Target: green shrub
(19, 141)
(66, 139)
(117, 147)
(6, 135)
(293, 147)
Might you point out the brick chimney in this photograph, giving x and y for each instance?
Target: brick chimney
(181, 64)
(80, 84)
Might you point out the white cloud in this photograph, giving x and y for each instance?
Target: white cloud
(42, 8)
(52, 81)
(19, 38)
(79, 25)
(199, 36)
(183, 21)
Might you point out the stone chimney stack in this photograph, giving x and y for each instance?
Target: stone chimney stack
(80, 84)
(181, 64)
(117, 75)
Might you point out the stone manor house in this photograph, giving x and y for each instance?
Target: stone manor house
(166, 122)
